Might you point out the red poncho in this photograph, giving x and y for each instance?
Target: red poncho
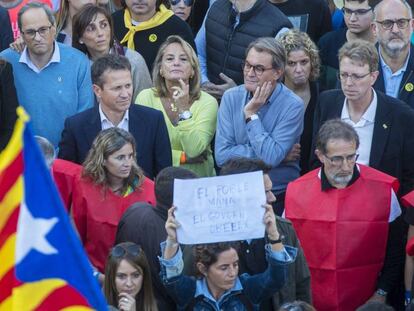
(97, 215)
(343, 233)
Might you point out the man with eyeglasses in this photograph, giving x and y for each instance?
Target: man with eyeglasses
(53, 81)
(385, 126)
(358, 16)
(262, 118)
(343, 215)
(393, 26)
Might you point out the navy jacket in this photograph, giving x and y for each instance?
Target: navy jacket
(406, 90)
(147, 125)
(6, 32)
(392, 149)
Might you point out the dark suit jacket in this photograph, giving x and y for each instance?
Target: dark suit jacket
(147, 125)
(392, 149)
(406, 92)
(8, 103)
(6, 33)
(392, 152)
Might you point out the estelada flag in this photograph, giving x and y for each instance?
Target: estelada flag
(42, 263)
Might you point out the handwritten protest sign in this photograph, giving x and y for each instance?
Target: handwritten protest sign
(218, 209)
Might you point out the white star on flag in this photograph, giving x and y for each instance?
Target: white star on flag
(32, 234)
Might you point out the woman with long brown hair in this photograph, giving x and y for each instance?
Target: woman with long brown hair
(111, 181)
(128, 284)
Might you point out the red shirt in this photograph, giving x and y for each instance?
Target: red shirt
(97, 214)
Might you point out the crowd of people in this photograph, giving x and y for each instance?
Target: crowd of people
(318, 95)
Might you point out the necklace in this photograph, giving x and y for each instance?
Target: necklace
(173, 106)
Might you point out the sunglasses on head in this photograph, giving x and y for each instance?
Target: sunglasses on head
(186, 2)
(120, 251)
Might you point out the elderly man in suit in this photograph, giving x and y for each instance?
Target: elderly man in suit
(385, 126)
(112, 84)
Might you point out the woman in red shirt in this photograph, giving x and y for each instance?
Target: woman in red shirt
(111, 181)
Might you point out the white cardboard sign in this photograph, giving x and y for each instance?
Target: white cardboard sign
(218, 209)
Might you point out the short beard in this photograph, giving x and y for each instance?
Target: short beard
(393, 51)
(340, 180)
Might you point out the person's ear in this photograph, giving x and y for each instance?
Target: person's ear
(320, 156)
(277, 73)
(202, 268)
(97, 90)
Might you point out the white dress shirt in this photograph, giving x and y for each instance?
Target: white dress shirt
(106, 123)
(364, 127)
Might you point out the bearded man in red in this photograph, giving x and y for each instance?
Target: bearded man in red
(341, 213)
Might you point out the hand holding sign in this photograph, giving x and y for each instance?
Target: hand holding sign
(217, 209)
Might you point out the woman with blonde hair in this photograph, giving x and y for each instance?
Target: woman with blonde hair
(190, 114)
(111, 181)
(128, 284)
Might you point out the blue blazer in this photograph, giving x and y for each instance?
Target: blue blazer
(147, 125)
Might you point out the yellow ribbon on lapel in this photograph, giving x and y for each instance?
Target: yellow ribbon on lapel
(160, 17)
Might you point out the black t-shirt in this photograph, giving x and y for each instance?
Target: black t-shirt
(147, 42)
(310, 16)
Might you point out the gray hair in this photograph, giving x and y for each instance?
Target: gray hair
(273, 47)
(47, 149)
(335, 129)
(405, 3)
(35, 5)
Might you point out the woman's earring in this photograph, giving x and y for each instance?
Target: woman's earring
(80, 41)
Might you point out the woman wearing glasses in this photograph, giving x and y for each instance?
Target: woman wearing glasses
(128, 284)
(111, 181)
(93, 35)
(182, 8)
(190, 114)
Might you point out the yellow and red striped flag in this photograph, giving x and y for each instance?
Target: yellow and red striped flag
(42, 263)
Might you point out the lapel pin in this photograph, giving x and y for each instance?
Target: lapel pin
(409, 87)
(384, 126)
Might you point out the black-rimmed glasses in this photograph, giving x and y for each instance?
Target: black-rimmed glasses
(42, 31)
(359, 12)
(258, 69)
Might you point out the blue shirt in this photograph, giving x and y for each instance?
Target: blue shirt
(173, 267)
(392, 81)
(269, 138)
(59, 90)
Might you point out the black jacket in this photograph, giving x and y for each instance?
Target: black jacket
(8, 103)
(147, 125)
(406, 90)
(226, 45)
(392, 149)
(144, 224)
(144, 39)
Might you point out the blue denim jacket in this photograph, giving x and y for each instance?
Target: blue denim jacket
(184, 289)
